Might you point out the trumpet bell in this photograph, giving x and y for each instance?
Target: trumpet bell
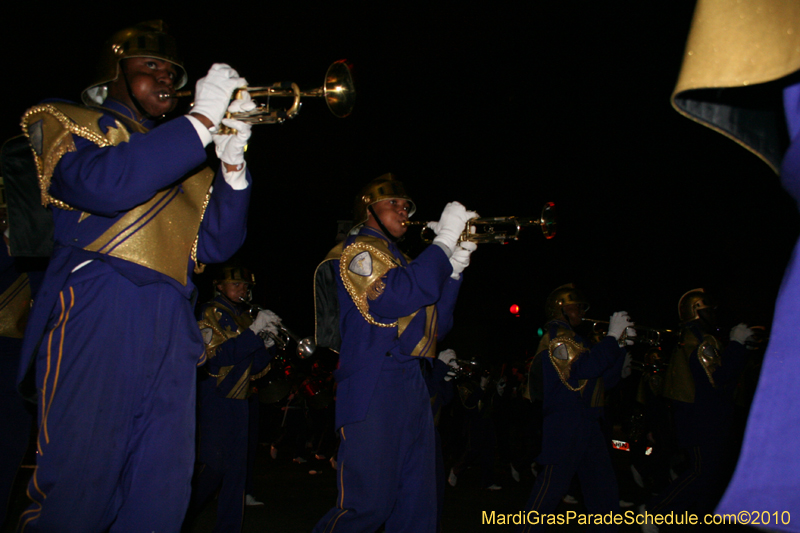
(306, 348)
(339, 90)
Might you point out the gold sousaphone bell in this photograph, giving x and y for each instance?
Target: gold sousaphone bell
(338, 90)
(482, 230)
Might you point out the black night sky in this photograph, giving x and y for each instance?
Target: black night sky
(501, 106)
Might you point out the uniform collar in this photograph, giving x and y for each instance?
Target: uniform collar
(122, 109)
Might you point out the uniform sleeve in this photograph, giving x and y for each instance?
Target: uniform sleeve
(419, 284)
(109, 180)
(603, 356)
(224, 225)
(234, 351)
(446, 306)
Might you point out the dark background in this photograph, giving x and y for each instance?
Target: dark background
(501, 106)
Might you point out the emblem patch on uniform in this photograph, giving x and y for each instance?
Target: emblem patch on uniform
(361, 264)
(36, 136)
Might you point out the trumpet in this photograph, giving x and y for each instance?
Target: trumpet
(338, 90)
(305, 347)
(497, 229)
(642, 335)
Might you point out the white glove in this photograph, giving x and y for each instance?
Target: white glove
(265, 320)
(230, 148)
(212, 93)
(484, 382)
(501, 387)
(740, 333)
(451, 224)
(450, 375)
(447, 356)
(619, 323)
(626, 366)
(242, 104)
(460, 258)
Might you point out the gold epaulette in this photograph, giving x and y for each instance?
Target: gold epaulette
(50, 127)
(564, 350)
(362, 266)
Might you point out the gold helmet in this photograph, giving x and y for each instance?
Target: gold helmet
(692, 302)
(233, 273)
(382, 188)
(564, 295)
(146, 39)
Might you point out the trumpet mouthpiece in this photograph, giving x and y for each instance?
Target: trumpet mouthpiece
(163, 96)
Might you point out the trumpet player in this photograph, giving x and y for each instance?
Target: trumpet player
(384, 313)
(699, 384)
(236, 355)
(570, 376)
(112, 344)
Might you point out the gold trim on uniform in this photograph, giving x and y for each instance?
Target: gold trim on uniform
(362, 267)
(679, 383)
(564, 351)
(160, 234)
(709, 357)
(210, 320)
(15, 304)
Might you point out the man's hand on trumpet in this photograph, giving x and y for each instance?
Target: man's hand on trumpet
(267, 321)
(450, 226)
(460, 258)
(621, 324)
(213, 94)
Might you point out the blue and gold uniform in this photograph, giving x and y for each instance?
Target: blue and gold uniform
(572, 377)
(699, 383)
(236, 355)
(391, 311)
(112, 333)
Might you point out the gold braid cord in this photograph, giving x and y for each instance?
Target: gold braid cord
(709, 357)
(362, 268)
(210, 319)
(564, 366)
(49, 128)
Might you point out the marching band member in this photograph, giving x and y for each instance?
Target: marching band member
(572, 377)
(236, 355)
(387, 312)
(112, 334)
(698, 382)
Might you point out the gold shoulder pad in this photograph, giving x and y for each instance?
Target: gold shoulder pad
(214, 333)
(564, 350)
(708, 353)
(50, 127)
(679, 383)
(362, 266)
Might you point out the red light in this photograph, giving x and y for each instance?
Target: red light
(514, 309)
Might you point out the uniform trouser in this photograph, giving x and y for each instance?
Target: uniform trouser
(595, 473)
(222, 454)
(698, 487)
(386, 463)
(115, 374)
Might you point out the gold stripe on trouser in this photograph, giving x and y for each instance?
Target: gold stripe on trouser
(547, 472)
(32, 514)
(329, 527)
(676, 488)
